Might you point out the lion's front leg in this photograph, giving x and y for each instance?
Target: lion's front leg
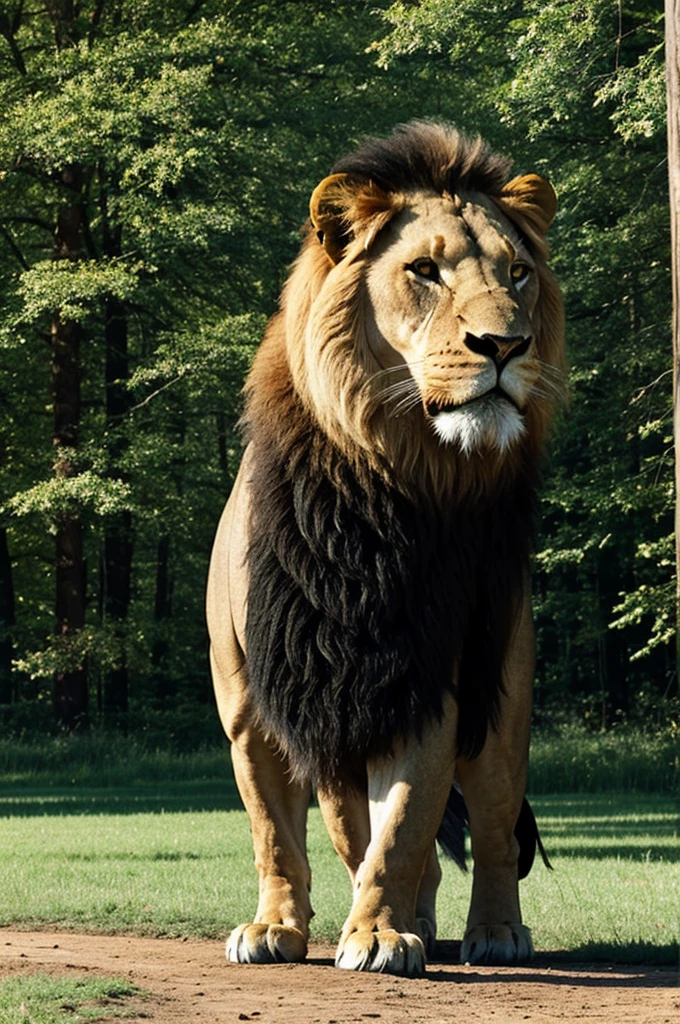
(493, 786)
(277, 809)
(276, 806)
(407, 794)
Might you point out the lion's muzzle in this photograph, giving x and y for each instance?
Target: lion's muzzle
(492, 382)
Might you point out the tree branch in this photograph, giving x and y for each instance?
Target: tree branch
(94, 22)
(14, 248)
(7, 31)
(35, 222)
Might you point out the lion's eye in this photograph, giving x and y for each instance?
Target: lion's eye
(425, 268)
(519, 272)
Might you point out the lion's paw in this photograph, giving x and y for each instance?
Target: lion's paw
(266, 944)
(388, 952)
(497, 944)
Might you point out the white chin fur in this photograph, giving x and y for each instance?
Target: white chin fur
(491, 424)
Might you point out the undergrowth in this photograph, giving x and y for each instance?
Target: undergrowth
(568, 758)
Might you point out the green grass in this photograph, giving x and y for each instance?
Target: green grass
(164, 861)
(615, 890)
(105, 833)
(40, 999)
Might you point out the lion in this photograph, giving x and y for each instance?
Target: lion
(369, 592)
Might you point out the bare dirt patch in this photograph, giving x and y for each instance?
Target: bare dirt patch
(191, 981)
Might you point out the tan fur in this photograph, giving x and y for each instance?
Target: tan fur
(325, 325)
(368, 348)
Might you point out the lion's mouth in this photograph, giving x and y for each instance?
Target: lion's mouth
(435, 408)
(490, 421)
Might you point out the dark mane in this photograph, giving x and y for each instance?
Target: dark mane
(424, 155)
(362, 602)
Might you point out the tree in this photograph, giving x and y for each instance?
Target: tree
(94, 153)
(673, 94)
(70, 681)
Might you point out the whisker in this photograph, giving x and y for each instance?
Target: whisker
(401, 368)
(406, 404)
(552, 381)
(548, 371)
(400, 395)
(396, 389)
(387, 370)
(547, 393)
(544, 396)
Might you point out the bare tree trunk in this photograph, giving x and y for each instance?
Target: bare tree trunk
(117, 555)
(673, 95)
(70, 683)
(163, 685)
(6, 622)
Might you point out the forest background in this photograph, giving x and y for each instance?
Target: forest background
(156, 159)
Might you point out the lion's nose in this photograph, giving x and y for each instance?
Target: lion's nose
(499, 347)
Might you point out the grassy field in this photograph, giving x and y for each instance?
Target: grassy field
(40, 999)
(175, 859)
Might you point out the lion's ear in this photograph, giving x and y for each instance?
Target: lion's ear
(343, 208)
(534, 198)
(328, 211)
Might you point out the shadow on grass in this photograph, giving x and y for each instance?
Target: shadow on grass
(646, 963)
(168, 798)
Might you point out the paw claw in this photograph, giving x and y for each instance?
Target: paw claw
(497, 944)
(385, 952)
(266, 944)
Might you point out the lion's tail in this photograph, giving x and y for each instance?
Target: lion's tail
(451, 835)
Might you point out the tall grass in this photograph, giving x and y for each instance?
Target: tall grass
(574, 759)
(568, 759)
(102, 758)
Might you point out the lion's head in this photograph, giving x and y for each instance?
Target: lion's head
(422, 323)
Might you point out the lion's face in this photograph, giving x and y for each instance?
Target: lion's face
(432, 326)
(453, 291)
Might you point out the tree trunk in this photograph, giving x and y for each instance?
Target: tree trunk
(223, 458)
(6, 622)
(117, 555)
(70, 683)
(164, 685)
(116, 573)
(673, 97)
(163, 688)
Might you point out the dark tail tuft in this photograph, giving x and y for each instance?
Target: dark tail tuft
(527, 835)
(451, 834)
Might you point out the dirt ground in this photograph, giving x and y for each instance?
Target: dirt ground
(191, 981)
